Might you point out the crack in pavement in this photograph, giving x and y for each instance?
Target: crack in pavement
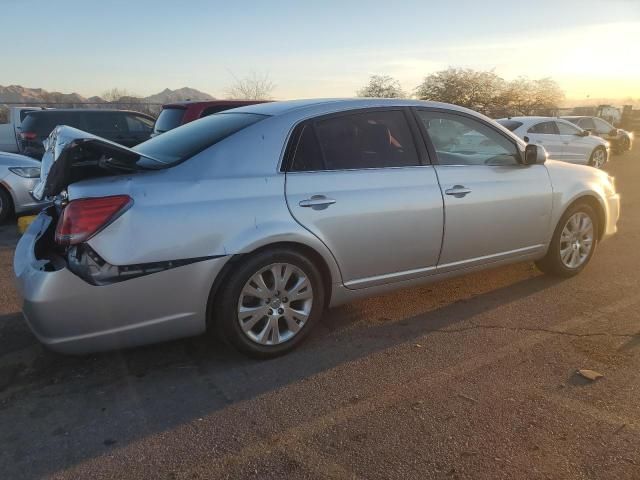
(476, 326)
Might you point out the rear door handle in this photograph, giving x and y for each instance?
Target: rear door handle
(317, 202)
(458, 191)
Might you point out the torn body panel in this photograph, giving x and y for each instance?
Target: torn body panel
(72, 155)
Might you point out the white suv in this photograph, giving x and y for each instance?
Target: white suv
(561, 139)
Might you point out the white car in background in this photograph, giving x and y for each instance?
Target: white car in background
(561, 139)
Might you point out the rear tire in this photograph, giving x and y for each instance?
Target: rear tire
(567, 255)
(269, 303)
(598, 157)
(6, 205)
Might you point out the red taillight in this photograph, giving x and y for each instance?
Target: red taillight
(83, 218)
(28, 135)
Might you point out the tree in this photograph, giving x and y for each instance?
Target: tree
(469, 88)
(251, 87)
(382, 86)
(490, 94)
(528, 97)
(115, 94)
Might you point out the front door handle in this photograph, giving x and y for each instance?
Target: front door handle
(458, 191)
(317, 202)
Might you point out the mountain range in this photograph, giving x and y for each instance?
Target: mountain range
(20, 94)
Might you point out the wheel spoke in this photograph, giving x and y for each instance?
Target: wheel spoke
(291, 323)
(249, 316)
(301, 290)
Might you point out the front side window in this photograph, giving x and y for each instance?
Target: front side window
(106, 122)
(373, 139)
(567, 129)
(460, 140)
(138, 124)
(544, 128)
(587, 123)
(602, 127)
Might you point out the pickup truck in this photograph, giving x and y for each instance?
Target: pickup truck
(10, 121)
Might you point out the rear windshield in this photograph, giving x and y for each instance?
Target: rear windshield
(43, 123)
(168, 119)
(189, 139)
(510, 124)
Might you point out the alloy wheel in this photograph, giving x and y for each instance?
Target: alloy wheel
(599, 158)
(576, 240)
(275, 304)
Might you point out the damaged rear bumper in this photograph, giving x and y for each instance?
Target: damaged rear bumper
(69, 315)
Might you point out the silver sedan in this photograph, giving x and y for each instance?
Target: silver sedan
(18, 176)
(254, 220)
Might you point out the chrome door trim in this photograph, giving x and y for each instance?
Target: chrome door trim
(491, 258)
(390, 278)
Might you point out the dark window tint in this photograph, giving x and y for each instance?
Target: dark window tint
(100, 122)
(460, 140)
(510, 125)
(373, 139)
(43, 123)
(307, 154)
(138, 124)
(168, 119)
(544, 128)
(189, 139)
(587, 123)
(23, 113)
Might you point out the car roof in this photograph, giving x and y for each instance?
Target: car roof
(321, 105)
(51, 111)
(210, 103)
(574, 117)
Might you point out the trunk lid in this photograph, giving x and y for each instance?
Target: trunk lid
(72, 155)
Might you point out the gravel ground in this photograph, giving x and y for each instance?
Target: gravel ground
(470, 378)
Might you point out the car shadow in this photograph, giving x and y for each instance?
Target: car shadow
(183, 380)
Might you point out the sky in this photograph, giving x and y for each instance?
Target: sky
(324, 48)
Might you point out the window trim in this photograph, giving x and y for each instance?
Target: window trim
(432, 150)
(294, 137)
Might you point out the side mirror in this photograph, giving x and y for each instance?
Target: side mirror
(613, 132)
(534, 155)
(584, 133)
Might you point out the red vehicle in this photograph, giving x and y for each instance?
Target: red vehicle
(175, 114)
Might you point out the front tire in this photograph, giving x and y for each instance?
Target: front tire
(598, 157)
(6, 205)
(573, 244)
(269, 303)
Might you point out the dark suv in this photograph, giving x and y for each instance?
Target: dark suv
(175, 114)
(121, 126)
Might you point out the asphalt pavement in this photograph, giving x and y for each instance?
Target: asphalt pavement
(471, 378)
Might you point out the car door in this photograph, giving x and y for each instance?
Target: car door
(604, 129)
(359, 182)
(546, 133)
(577, 147)
(495, 207)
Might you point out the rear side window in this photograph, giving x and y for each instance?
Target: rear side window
(183, 142)
(544, 128)
(510, 125)
(43, 123)
(168, 119)
(374, 139)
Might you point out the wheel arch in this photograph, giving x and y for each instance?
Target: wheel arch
(319, 260)
(596, 204)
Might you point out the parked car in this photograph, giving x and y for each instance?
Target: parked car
(173, 115)
(620, 140)
(10, 123)
(18, 176)
(122, 126)
(561, 139)
(253, 221)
